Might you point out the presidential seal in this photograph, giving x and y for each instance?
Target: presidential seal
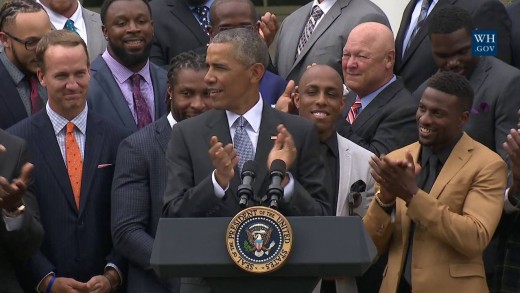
(259, 239)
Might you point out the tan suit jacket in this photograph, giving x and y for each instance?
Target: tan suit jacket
(454, 223)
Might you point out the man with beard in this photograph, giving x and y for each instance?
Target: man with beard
(125, 87)
(140, 174)
(22, 25)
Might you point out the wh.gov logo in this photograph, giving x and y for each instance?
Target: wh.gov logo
(484, 42)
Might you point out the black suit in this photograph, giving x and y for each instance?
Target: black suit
(514, 13)
(189, 191)
(417, 64)
(12, 109)
(386, 124)
(77, 243)
(176, 30)
(18, 245)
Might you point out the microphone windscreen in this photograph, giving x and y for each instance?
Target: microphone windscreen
(249, 166)
(358, 186)
(278, 166)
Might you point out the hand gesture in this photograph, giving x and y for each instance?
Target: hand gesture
(268, 26)
(285, 102)
(99, 284)
(224, 159)
(11, 193)
(283, 148)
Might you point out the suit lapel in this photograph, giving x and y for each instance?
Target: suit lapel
(163, 133)
(405, 22)
(95, 137)
(159, 90)
(264, 145)
(480, 74)
(10, 96)
(458, 158)
(44, 135)
(345, 170)
(106, 81)
(92, 26)
(181, 10)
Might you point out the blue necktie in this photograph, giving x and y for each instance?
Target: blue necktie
(202, 12)
(69, 25)
(242, 143)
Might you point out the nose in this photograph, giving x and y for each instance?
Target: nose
(321, 99)
(209, 77)
(452, 62)
(72, 83)
(133, 26)
(198, 103)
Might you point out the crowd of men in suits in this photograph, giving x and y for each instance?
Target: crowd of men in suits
(110, 121)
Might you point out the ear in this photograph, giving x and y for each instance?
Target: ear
(3, 40)
(39, 74)
(105, 32)
(169, 90)
(390, 59)
(257, 72)
(463, 119)
(297, 99)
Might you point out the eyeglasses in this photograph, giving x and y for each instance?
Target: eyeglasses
(30, 44)
(250, 27)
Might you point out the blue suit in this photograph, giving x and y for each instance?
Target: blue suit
(272, 87)
(77, 244)
(105, 96)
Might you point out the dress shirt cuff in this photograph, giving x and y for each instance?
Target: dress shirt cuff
(508, 206)
(112, 265)
(219, 192)
(288, 190)
(39, 283)
(15, 223)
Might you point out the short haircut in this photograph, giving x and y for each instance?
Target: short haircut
(248, 45)
(453, 84)
(58, 38)
(11, 8)
(448, 19)
(186, 60)
(106, 4)
(254, 15)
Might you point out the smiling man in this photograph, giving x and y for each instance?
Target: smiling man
(125, 87)
(439, 200)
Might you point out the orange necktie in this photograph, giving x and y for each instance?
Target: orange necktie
(74, 162)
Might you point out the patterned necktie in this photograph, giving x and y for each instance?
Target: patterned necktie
(74, 162)
(354, 111)
(36, 104)
(141, 108)
(69, 25)
(420, 21)
(202, 12)
(242, 143)
(309, 27)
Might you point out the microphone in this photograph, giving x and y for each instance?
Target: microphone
(275, 190)
(245, 190)
(354, 197)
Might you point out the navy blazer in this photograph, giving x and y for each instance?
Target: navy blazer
(77, 244)
(12, 109)
(272, 87)
(106, 99)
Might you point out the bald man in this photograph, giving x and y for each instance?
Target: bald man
(379, 113)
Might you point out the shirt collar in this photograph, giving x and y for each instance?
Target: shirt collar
(59, 122)
(370, 97)
(59, 20)
(253, 116)
(122, 73)
(442, 155)
(171, 120)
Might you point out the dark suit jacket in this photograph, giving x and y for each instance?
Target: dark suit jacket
(175, 31)
(106, 99)
(12, 109)
(189, 190)
(77, 244)
(514, 14)
(137, 193)
(497, 87)
(325, 46)
(386, 124)
(417, 64)
(17, 246)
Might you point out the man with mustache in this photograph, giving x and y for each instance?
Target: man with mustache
(126, 88)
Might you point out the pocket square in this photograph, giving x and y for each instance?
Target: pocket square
(103, 165)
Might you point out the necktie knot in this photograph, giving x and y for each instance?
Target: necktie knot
(316, 14)
(36, 104)
(69, 25)
(241, 122)
(141, 108)
(354, 111)
(136, 81)
(70, 127)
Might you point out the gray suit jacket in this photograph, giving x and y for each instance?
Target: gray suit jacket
(137, 196)
(105, 96)
(417, 64)
(325, 46)
(17, 246)
(386, 124)
(497, 99)
(96, 43)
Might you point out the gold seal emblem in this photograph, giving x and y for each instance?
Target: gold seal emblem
(259, 239)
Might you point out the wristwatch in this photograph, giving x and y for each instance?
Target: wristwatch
(13, 213)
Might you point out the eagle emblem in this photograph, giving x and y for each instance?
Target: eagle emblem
(258, 235)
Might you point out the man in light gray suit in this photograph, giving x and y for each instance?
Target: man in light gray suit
(325, 43)
(320, 99)
(71, 15)
(140, 174)
(20, 230)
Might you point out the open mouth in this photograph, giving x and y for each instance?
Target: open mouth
(320, 114)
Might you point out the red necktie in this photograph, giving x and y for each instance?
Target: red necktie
(36, 104)
(354, 110)
(74, 162)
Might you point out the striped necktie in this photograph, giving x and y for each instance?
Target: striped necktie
(354, 111)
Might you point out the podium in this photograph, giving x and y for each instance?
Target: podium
(322, 246)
